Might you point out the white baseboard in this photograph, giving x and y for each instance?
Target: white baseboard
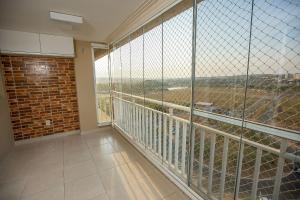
(47, 137)
(96, 130)
(90, 131)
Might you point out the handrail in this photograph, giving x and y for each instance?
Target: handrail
(286, 155)
(276, 131)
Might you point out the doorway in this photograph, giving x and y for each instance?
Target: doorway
(102, 85)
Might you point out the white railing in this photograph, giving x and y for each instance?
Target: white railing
(167, 137)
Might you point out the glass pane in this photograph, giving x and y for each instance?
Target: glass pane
(116, 70)
(220, 76)
(273, 103)
(125, 64)
(102, 89)
(177, 55)
(153, 64)
(137, 69)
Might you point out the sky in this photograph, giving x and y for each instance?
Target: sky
(222, 42)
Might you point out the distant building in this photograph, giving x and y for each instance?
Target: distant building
(207, 106)
(297, 76)
(177, 88)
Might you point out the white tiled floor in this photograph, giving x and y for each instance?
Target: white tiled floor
(98, 166)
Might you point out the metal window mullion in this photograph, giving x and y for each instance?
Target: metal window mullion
(110, 88)
(130, 78)
(162, 81)
(121, 123)
(241, 151)
(143, 66)
(192, 132)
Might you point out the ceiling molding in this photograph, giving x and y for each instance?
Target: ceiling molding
(144, 13)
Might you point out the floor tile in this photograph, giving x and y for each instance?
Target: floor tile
(54, 193)
(177, 196)
(96, 141)
(84, 189)
(16, 173)
(79, 170)
(42, 182)
(12, 190)
(76, 157)
(102, 149)
(100, 197)
(108, 161)
(98, 166)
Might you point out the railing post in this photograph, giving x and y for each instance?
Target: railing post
(159, 133)
(176, 145)
(151, 128)
(224, 166)
(201, 156)
(239, 170)
(256, 173)
(170, 136)
(211, 162)
(280, 165)
(165, 133)
(155, 133)
(183, 152)
(147, 128)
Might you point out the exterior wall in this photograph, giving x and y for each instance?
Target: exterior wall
(39, 89)
(6, 139)
(84, 69)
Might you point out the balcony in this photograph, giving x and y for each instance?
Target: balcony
(163, 138)
(200, 100)
(200, 91)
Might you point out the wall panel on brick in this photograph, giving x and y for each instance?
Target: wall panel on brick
(41, 88)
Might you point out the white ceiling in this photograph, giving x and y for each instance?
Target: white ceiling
(101, 17)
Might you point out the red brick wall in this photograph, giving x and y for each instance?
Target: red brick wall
(40, 88)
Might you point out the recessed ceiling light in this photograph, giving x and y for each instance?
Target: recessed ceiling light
(66, 17)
